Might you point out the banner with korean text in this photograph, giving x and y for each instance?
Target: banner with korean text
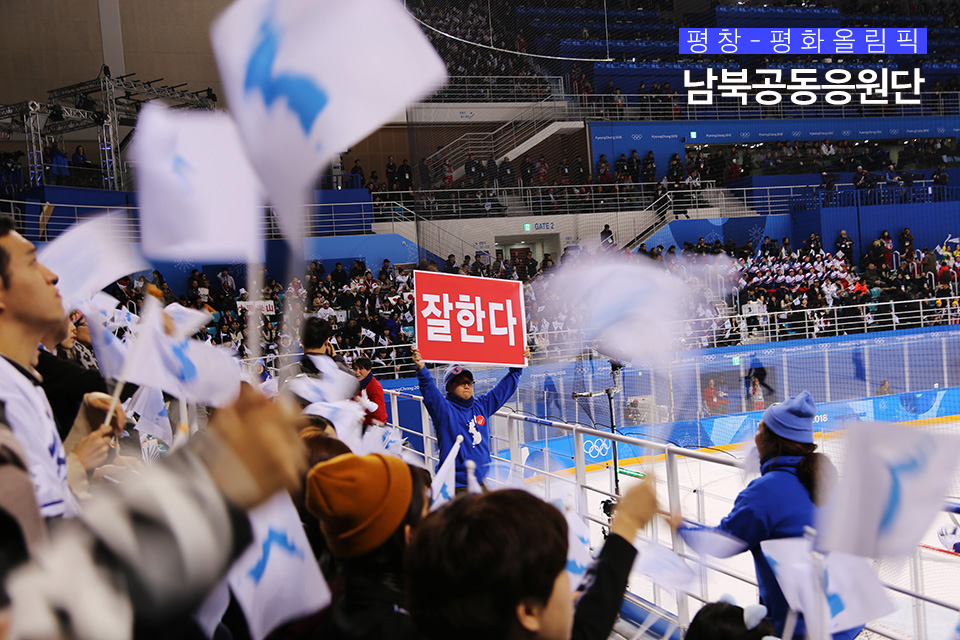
(472, 320)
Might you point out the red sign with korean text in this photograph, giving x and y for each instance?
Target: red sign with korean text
(471, 320)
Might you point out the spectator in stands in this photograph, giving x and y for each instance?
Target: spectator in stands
(757, 401)
(794, 480)
(893, 177)
(724, 620)
(357, 170)
(578, 172)
(391, 173)
(459, 412)
(906, 242)
(884, 389)
(512, 544)
(844, 244)
(224, 278)
(861, 178)
(369, 385)
(339, 277)
(606, 238)
(369, 508)
(711, 399)
(507, 176)
(57, 161)
(80, 159)
(887, 246)
(423, 175)
(602, 165)
(472, 171)
(940, 179)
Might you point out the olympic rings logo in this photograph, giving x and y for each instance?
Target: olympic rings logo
(596, 447)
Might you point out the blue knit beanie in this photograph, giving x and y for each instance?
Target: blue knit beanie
(452, 372)
(793, 418)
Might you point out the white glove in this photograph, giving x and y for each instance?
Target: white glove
(949, 537)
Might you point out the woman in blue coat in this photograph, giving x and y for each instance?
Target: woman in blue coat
(794, 481)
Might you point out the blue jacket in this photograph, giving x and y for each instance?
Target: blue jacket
(452, 417)
(775, 505)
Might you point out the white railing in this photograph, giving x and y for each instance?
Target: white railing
(919, 602)
(678, 107)
(499, 89)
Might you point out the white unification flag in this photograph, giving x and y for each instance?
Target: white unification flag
(627, 311)
(444, 484)
(298, 100)
(347, 418)
(835, 593)
(199, 197)
(367, 333)
(891, 487)
(277, 579)
(664, 567)
(149, 412)
(111, 352)
(712, 542)
(335, 383)
(384, 440)
(186, 321)
(578, 548)
(211, 612)
(91, 255)
(188, 369)
(121, 318)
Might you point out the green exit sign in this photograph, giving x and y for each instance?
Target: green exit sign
(736, 360)
(526, 227)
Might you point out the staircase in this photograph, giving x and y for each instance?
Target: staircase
(424, 234)
(512, 139)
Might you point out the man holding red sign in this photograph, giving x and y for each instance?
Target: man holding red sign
(462, 413)
(463, 319)
(468, 319)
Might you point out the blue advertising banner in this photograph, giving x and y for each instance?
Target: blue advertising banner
(666, 138)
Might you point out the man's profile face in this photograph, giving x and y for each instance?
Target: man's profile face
(29, 295)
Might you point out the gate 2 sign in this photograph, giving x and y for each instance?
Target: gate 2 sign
(472, 320)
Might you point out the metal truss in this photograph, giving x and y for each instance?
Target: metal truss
(103, 104)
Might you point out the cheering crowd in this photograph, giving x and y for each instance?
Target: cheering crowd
(805, 291)
(103, 540)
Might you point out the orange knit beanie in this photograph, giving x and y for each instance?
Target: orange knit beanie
(359, 500)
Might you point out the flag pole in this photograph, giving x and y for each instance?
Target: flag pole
(124, 374)
(790, 624)
(255, 283)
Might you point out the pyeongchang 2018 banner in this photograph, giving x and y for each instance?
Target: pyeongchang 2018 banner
(469, 320)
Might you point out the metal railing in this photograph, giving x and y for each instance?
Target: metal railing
(917, 601)
(795, 324)
(498, 89)
(679, 107)
(706, 201)
(393, 361)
